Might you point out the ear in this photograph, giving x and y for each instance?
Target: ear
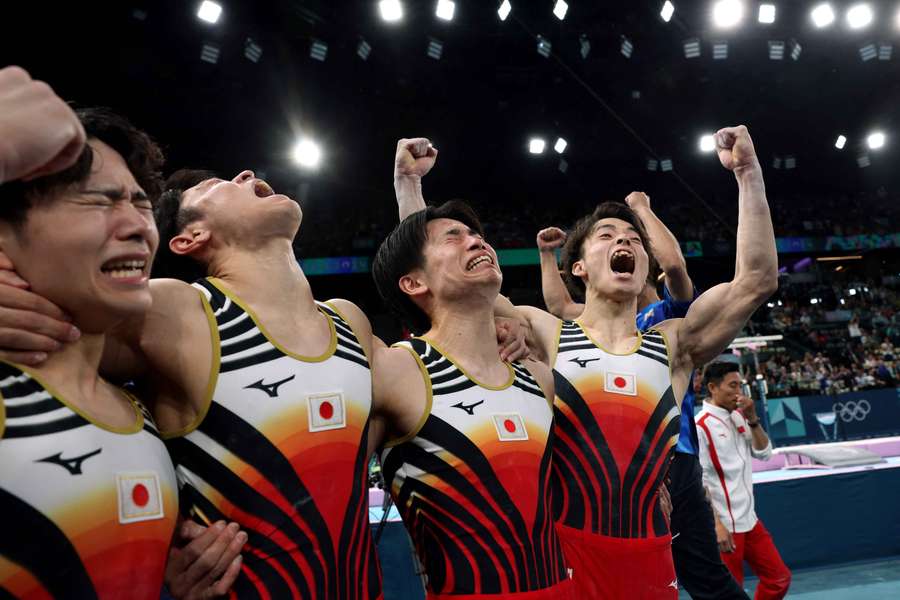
(191, 242)
(412, 284)
(578, 269)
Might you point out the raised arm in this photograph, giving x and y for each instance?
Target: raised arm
(719, 314)
(557, 298)
(666, 249)
(413, 160)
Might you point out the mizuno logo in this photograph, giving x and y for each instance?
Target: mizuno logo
(469, 408)
(72, 465)
(271, 389)
(582, 362)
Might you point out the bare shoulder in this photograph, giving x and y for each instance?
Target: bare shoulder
(545, 329)
(542, 373)
(399, 390)
(358, 321)
(173, 295)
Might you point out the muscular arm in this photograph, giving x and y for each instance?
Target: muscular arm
(414, 158)
(666, 249)
(719, 314)
(557, 298)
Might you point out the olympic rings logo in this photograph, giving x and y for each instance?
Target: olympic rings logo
(852, 411)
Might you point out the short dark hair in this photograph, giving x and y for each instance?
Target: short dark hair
(717, 371)
(142, 156)
(171, 219)
(572, 251)
(402, 252)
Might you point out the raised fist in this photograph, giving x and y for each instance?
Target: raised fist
(39, 133)
(414, 158)
(550, 239)
(637, 200)
(735, 148)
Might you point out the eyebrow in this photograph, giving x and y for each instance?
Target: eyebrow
(118, 193)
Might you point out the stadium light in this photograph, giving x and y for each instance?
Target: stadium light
(766, 13)
(691, 48)
(252, 50)
(504, 10)
(543, 46)
(391, 10)
(560, 145)
(875, 140)
(822, 15)
(728, 13)
(720, 50)
(859, 16)
(536, 145)
(307, 153)
(560, 9)
(668, 9)
(209, 11)
(776, 50)
(707, 143)
(445, 9)
(840, 142)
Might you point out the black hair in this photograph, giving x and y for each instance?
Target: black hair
(171, 219)
(574, 246)
(717, 371)
(141, 154)
(402, 252)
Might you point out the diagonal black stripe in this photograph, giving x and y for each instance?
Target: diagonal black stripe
(591, 448)
(529, 388)
(658, 359)
(251, 342)
(270, 578)
(343, 342)
(567, 459)
(34, 408)
(71, 422)
(54, 561)
(249, 361)
(641, 463)
(448, 376)
(233, 331)
(585, 346)
(20, 389)
(351, 357)
(452, 389)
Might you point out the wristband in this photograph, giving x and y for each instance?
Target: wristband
(754, 424)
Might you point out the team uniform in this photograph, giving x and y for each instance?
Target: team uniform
(726, 450)
(695, 551)
(472, 484)
(617, 424)
(281, 449)
(89, 510)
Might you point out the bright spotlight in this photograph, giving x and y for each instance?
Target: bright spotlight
(536, 145)
(875, 140)
(504, 10)
(707, 143)
(840, 142)
(728, 13)
(859, 16)
(822, 15)
(307, 153)
(668, 9)
(209, 11)
(391, 10)
(560, 145)
(560, 9)
(445, 9)
(767, 13)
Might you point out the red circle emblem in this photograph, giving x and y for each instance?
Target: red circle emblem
(620, 382)
(139, 495)
(509, 425)
(326, 410)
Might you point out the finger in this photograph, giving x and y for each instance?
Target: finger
(195, 549)
(16, 340)
(31, 359)
(223, 585)
(12, 278)
(191, 530)
(517, 351)
(11, 297)
(432, 151)
(231, 552)
(14, 322)
(201, 568)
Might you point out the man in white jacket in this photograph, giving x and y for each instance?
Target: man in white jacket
(730, 434)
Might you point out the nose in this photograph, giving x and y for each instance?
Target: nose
(133, 224)
(243, 176)
(476, 242)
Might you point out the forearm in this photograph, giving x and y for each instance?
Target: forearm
(756, 265)
(667, 253)
(556, 296)
(760, 438)
(409, 195)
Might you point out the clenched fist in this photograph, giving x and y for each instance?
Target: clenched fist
(735, 148)
(637, 200)
(414, 158)
(550, 239)
(39, 133)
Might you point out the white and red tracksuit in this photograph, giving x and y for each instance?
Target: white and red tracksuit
(726, 450)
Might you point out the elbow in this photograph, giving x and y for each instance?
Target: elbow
(759, 285)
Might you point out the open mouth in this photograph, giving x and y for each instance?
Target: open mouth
(262, 189)
(124, 269)
(484, 258)
(622, 261)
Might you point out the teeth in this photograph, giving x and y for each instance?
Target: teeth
(477, 261)
(263, 189)
(125, 268)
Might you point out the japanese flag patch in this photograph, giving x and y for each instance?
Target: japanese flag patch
(510, 427)
(326, 411)
(140, 498)
(621, 383)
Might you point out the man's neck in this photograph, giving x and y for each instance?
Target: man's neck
(268, 275)
(717, 405)
(468, 334)
(73, 369)
(611, 322)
